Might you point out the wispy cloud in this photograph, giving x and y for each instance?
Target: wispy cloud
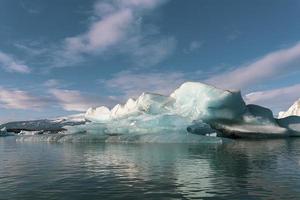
(277, 99)
(117, 28)
(10, 64)
(20, 99)
(281, 62)
(132, 84)
(233, 35)
(52, 83)
(31, 7)
(31, 48)
(74, 100)
(68, 100)
(194, 46)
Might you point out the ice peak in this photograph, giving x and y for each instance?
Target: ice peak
(294, 110)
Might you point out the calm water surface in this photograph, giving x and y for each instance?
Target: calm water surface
(239, 170)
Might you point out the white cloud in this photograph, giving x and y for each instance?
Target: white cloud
(193, 46)
(31, 48)
(131, 84)
(152, 53)
(117, 29)
(103, 33)
(234, 35)
(74, 100)
(284, 61)
(277, 99)
(19, 99)
(32, 7)
(52, 83)
(10, 64)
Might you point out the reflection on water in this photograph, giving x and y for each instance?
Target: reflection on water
(239, 170)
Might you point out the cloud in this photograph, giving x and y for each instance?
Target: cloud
(284, 61)
(74, 100)
(132, 84)
(194, 46)
(117, 27)
(233, 36)
(52, 83)
(277, 99)
(19, 99)
(151, 53)
(32, 7)
(102, 34)
(69, 100)
(31, 48)
(10, 64)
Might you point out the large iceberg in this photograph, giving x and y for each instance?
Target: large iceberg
(192, 101)
(193, 113)
(194, 107)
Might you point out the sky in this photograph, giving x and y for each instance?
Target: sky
(61, 57)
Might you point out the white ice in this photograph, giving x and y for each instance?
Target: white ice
(294, 110)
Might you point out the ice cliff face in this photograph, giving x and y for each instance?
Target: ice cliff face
(294, 110)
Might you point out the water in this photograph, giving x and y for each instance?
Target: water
(239, 170)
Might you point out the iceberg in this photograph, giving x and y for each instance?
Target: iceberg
(193, 113)
(193, 101)
(196, 108)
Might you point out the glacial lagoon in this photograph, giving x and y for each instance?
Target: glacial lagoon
(240, 169)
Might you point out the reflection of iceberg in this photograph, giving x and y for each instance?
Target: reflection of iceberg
(194, 108)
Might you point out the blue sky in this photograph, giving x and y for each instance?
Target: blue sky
(60, 57)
